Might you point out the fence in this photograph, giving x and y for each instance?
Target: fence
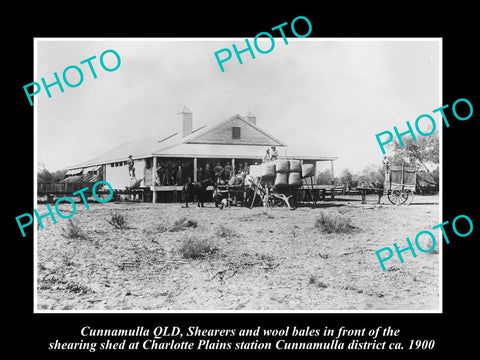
(47, 188)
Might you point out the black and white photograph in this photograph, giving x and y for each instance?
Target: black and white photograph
(220, 180)
(253, 184)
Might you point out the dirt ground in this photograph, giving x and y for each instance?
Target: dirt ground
(255, 259)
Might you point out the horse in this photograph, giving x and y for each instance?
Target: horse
(193, 189)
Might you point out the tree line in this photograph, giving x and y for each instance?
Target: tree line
(46, 177)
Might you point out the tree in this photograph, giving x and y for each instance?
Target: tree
(346, 177)
(325, 177)
(372, 174)
(46, 176)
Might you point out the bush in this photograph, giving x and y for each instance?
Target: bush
(312, 280)
(333, 224)
(223, 231)
(182, 224)
(73, 231)
(119, 221)
(192, 248)
(160, 228)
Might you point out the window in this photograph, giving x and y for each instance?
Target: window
(235, 132)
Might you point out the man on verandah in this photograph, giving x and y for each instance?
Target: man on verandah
(131, 168)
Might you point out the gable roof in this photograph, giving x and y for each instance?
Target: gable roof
(197, 138)
(174, 144)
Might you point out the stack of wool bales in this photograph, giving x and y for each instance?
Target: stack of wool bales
(282, 168)
(285, 172)
(295, 174)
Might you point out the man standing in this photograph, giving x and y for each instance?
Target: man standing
(131, 168)
(160, 172)
(218, 169)
(208, 172)
(228, 170)
(199, 173)
(266, 157)
(169, 173)
(246, 168)
(273, 153)
(178, 174)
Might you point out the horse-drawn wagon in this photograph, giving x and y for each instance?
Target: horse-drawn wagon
(276, 183)
(399, 184)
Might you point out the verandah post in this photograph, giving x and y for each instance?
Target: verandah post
(195, 173)
(154, 172)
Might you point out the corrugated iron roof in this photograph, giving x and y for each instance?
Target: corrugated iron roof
(87, 179)
(74, 172)
(174, 145)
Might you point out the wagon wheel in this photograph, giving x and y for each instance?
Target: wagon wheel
(395, 197)
(407, 196)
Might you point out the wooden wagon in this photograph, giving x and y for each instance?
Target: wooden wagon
(277, 182)
(272, 196)
(399, 185)
(266, 186)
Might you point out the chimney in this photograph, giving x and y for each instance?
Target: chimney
(251, 118)
(187, 117)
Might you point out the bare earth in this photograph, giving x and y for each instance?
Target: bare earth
(261, 260)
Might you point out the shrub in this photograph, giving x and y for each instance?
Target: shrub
(160, 228)
(223, 231)
(312, 280)
(119, 221)
(333, 224)
(73, 231)
(182, 224)
(77, 288)
(192, 248)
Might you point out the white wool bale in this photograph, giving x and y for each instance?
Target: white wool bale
(282, 166)
(255, 171)
(295, 179)
(295, 165)
(281, 179)
(308, 170)
(268, 169)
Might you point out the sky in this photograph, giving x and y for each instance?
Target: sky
(327, 97)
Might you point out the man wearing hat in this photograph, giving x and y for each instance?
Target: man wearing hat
(131, 169)
(273, 153)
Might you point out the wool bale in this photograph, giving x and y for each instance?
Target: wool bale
(294, 179)
(308, 170)
(268, 169)
(295, 165)
(282, 166)
(281, 179)
(255, 171)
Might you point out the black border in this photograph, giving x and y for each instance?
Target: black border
(453, 330)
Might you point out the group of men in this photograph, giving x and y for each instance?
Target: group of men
(221, 173)
(271, 154)
(169, 174)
